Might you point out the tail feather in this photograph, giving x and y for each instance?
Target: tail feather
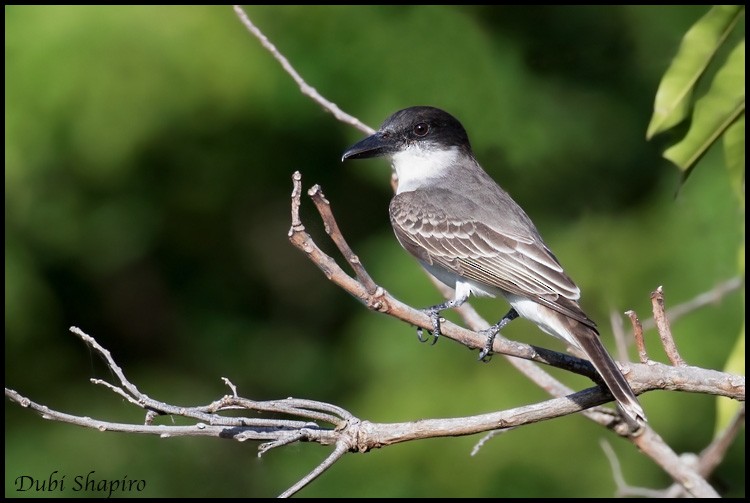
(565, 320)
(589, 341)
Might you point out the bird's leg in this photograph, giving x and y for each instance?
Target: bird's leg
(492, 332)
(434, 314)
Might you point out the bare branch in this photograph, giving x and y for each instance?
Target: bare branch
(304, 87)
(681, 472)
(662, 325)
(359, 435)
(713, 296)
(623, 489)
(618, 331)
(705, 463)
(307, 417)
(332, 229)
(337, 453)
(223, 427)
(638, 335)
(345, 431)
(711, 456)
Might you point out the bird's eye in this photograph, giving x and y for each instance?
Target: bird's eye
(421, 129)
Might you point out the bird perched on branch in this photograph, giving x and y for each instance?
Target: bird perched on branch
(471, 235)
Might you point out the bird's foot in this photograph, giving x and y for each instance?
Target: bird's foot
(434, 314)
(485, 354)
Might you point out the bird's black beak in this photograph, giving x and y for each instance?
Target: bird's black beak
(377, 145)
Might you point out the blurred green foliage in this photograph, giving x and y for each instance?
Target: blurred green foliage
(148, 161)
(702, 61)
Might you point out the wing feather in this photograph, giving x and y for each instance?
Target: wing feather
(512, 259)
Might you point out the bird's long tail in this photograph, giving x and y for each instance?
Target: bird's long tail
(591, 344)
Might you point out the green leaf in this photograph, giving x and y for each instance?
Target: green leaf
(714, 113)
(734, 151)
(697, 50)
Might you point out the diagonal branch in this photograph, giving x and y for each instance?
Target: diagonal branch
(304, 87)
(332, 229)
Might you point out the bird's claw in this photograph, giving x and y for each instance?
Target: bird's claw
(485, 355)
(435, 319)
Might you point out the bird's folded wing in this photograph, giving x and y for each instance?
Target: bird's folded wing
(514, 261)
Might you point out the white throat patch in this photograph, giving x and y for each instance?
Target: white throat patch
(416, 165)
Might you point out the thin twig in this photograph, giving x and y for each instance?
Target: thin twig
(304, 87)
(681, 472)
(296, 198)
(231, 386)
(222, 427)
(486, 438)
(715, 452)
(337, 453)
(638, 335)
(91, 342)
(662, 325)
(618, 332)
(305, 408)
(712, 296)
(710, 458)
(332, 229)
(623, 489)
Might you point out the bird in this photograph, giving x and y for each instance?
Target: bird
(468, 232)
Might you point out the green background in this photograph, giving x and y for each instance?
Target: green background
(148, 162)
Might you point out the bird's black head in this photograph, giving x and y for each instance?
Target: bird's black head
(427, 127)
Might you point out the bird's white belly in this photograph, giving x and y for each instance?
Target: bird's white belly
(541, 315)
(526, 308)
(463, 287)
